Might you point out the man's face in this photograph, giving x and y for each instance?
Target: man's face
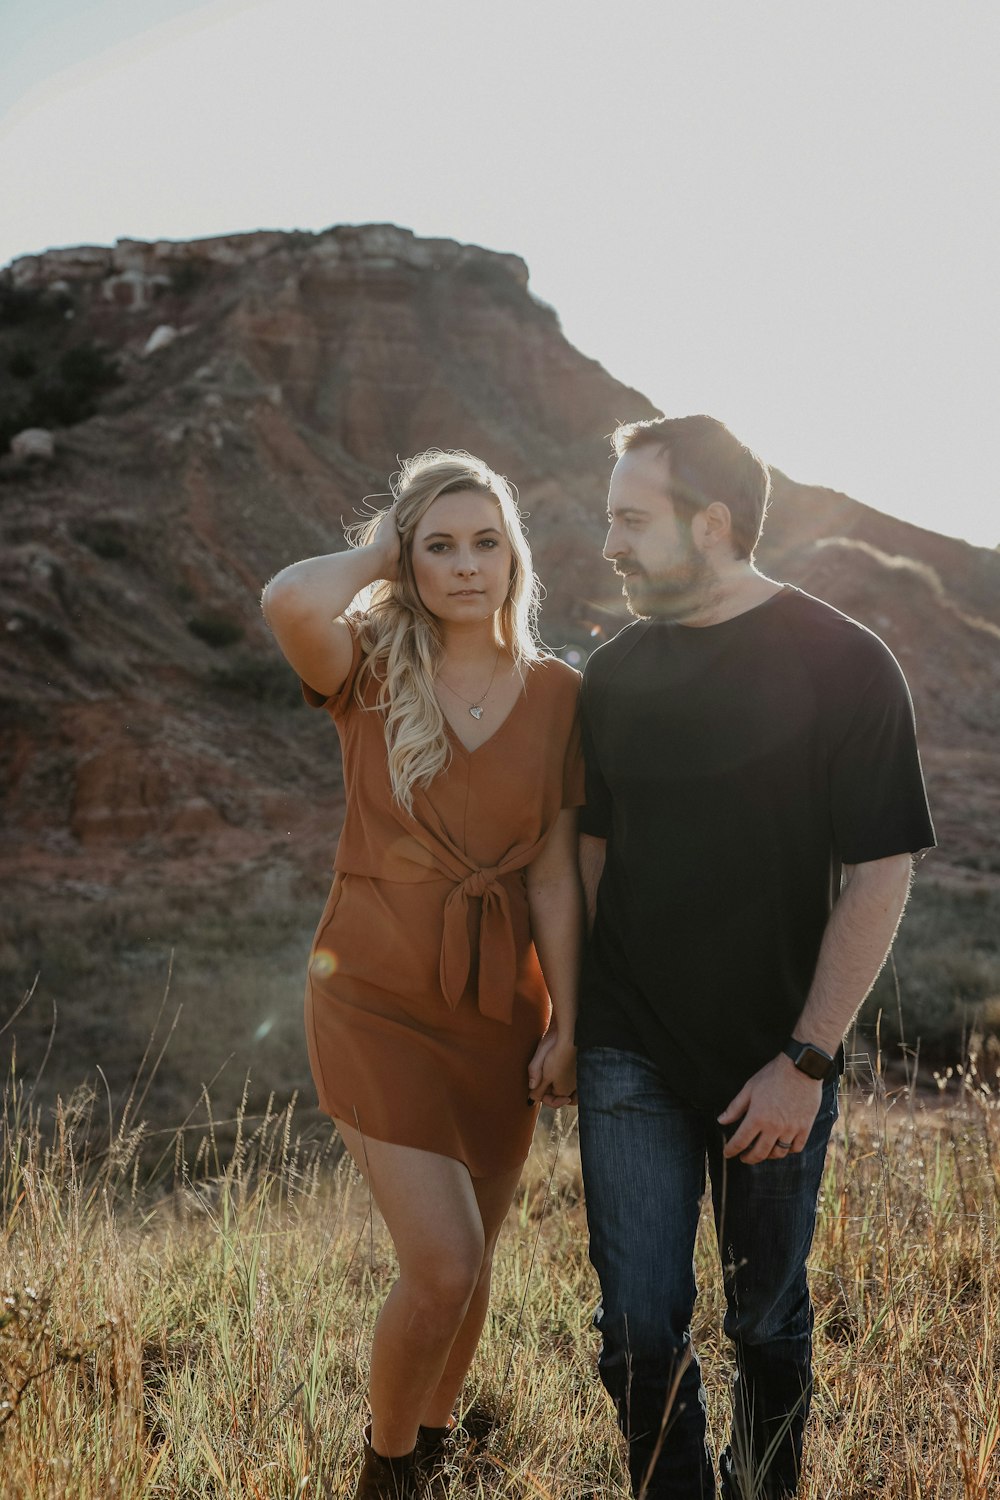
(665, 574)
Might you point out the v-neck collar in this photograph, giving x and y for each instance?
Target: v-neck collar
(456, 739)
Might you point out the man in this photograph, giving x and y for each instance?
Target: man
(754, 796)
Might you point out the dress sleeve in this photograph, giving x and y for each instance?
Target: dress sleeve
(338, 703)
(595, 818)
(878, 800)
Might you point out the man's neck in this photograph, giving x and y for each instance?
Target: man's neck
(735, 592)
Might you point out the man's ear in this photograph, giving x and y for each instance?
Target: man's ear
(713, 526)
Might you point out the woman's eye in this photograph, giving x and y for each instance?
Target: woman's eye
(489, 542)
(438, 547)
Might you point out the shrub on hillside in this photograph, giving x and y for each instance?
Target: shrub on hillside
(28, 304)
(946, 961)
(215, 630)
(104, 538)
(22, 365)
(261, 678)
(63, 397)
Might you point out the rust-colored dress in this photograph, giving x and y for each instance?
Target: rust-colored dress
(424, 1001)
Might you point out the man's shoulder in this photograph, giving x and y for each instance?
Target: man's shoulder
(822, 632)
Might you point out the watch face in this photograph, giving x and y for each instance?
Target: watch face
(813, 1062)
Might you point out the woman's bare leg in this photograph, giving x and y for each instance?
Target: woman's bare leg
(432, 1212)
(494, 1196)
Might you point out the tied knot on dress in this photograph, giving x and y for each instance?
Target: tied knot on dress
(478, 883)
(497, 956)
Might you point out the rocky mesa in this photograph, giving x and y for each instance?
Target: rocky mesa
(219, 408)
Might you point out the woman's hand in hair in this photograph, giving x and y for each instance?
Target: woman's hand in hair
(385, 546)
(305, 603)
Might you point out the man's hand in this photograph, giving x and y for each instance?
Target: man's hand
(776, 1107)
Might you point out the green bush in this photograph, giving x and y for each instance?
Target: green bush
(187, 278)
(261, 678)
(86, 368)
(22, 365)
(64, 398)
(28, 304)
(103, 538)
(216, 630)
(946, 961)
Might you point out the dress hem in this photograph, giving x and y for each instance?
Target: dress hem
(371, 1135)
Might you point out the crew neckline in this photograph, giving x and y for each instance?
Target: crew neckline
(783, 592)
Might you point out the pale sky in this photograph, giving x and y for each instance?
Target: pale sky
(781, 212)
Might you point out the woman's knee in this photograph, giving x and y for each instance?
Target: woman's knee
(444, 1278)
(485, 1277)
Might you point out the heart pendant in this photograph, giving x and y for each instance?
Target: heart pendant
(476, 711)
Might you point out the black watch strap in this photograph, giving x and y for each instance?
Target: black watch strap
(812, 1061)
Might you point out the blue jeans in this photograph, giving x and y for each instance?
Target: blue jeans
(644, 1153)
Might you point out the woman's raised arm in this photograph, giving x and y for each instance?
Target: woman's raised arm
(304, 605)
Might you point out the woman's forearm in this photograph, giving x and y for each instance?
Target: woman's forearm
(321, 586)
(304, 605)
(556, 913)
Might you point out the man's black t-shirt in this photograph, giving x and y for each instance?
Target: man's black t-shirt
(733, 770)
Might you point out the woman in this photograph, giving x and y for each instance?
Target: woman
(455, 890)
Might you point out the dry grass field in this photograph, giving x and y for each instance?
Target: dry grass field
(182, 1319)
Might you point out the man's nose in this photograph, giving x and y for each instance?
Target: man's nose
(614, 545)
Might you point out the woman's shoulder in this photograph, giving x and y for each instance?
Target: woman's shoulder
(552, 668)
(555, 677)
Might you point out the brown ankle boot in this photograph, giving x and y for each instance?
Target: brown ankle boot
(432, 1459)
(385, 1478)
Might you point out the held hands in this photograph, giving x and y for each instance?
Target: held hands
(552, 1072)
(776, 1109)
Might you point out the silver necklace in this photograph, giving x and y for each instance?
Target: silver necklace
(476, 706)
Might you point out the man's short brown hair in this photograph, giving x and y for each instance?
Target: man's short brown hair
(707, 463)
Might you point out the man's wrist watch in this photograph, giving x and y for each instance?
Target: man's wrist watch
(810, 1060)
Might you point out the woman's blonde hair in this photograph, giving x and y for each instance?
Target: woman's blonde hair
(401, 639)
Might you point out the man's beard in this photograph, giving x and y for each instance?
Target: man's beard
(669, 596)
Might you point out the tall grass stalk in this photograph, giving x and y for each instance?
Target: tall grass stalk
(204, 1333)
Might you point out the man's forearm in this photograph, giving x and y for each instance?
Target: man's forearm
(855, 944)
(591, 856)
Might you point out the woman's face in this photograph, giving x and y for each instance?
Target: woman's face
(461, 557)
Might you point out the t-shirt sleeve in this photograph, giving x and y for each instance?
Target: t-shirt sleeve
(595, 817)
(338, 703)
(878, 799)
